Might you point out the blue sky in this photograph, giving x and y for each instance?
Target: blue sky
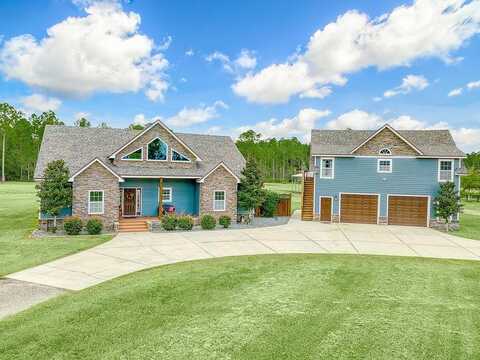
(223, 66)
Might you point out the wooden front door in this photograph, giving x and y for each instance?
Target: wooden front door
(359, 208)
(129, 202)
(325, 209)
(408, 210)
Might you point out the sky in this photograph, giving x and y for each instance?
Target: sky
(279, 67)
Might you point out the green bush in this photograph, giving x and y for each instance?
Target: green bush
(225, 221)
(169, 222)
(270, 202)
(185, 222)
(208, 222)
(72, 225)
(94, 226)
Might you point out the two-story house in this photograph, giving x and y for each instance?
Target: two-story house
(380, 177)
(122, 173)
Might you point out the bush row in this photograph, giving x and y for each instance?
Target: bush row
(185, 222)
(73, 226)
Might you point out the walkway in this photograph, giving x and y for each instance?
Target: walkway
(130, 252)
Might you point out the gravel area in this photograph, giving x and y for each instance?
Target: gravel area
(16, 295)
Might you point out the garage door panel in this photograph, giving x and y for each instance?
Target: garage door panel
(359, 208)
(408, 210)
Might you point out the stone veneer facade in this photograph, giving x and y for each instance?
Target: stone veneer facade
(386, 139)
(220, 179)
(96, 177)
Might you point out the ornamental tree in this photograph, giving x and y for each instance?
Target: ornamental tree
(250, 193)
(55, 191)
(447, 203)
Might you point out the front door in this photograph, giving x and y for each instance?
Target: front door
(325, 209)
(129, 202)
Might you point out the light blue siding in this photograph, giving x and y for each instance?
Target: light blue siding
(185, 194)
(409, 176)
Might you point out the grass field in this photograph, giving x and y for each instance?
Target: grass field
(296, 192)
(263, 307)
(18, 217)
(469, 221)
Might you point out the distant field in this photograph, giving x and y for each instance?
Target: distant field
(295, 190)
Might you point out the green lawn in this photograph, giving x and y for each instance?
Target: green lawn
(295, 190)
(469, 221)
(263, 307)
(18, 217)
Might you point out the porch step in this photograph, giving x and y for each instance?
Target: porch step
(133, 225)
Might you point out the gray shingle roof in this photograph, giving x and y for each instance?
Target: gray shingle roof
(436, 143)
(78, 146)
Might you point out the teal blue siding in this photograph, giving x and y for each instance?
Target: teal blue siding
(184, 194)
(409, 176)
(64, 212)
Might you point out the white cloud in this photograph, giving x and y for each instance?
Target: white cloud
(465, 138)
(191, 116)
(100, 52)
(222, 58)
(409, 83)
(246, 59)
(428, 28)
(377, 98)
(299, 125)
(455, 92)
(473, 85)
(189, 52)
(213, 130)
(40, 103)
(317, 93)
(140, 119)
(470, 86)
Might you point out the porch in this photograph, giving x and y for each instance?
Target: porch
(147, 198)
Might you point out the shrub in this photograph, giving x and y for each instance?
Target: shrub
(185, 222)
(72, 225)
(270, 202)
(208, 222)
(169, 222)
(94, 226)
(225, 221)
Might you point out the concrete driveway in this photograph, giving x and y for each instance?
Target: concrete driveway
(130, 252)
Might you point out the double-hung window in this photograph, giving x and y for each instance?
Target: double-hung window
(384, 165)
(445, 170)
(167, 195)
(326, 168)
(96, 202)
(219, 198)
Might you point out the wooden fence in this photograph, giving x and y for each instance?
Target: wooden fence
(284, 206)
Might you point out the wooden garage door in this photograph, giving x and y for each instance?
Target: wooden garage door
(407, 210)
(359, 209)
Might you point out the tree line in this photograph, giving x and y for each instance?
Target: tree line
(277, 159)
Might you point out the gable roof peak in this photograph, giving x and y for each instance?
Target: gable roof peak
(150, 127)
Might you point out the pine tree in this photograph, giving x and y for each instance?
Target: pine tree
(447, 202)
(250, 194)
(55, 191)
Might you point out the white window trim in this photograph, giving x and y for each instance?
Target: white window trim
(179, 161)
(333, 168)
(224, 200)
(171, 195)
(385, 172)
(168, 148)
(103, 202)
(131, 152)
(382, 149)
(452, 161)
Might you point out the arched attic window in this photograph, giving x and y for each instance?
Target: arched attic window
(385, 151)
